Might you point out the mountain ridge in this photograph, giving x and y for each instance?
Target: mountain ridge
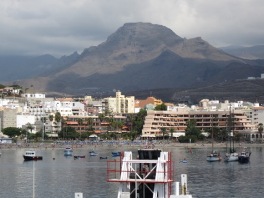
(144, 56)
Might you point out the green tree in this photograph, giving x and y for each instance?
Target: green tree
(164, 132)
(191, 129)
(192, 132)
(260, 130)
(171, 132)
(58, 116)
(68, 133)
(89, 122)
(51, 118)
(12, 131)
(161, 107)
(29, 127)
(138, 121)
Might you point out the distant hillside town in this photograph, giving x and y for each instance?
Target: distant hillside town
(117, 117)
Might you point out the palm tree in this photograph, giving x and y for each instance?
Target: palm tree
(89, 122)
(50, 117)
(29, 127)
(171, 132)
(260, 130)
(163, 130)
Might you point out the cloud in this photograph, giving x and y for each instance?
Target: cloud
(63, 26)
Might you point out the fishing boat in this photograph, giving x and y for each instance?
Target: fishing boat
(231, 156)
(244, 156)
(31, 155)
(68, 151)
(148, 176)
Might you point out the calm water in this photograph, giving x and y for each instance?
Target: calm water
(64, 176)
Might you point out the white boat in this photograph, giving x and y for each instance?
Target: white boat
(93, 153)
(232, 156)
(213, 157)
(148, 176)
(31, 155)
(68, 151)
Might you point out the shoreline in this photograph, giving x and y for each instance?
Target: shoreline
(126, 146)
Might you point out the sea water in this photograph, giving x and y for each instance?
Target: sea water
(58, 176)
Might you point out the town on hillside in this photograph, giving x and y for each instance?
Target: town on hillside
(26, 116)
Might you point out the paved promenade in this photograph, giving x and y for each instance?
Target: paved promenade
(122, 145)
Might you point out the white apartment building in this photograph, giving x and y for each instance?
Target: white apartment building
(247, 116)
(119, 104)
(33, 95)
(155, 120)
(23, 120)
(256, 115)
(10, 103)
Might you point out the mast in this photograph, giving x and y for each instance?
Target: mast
(233, 129)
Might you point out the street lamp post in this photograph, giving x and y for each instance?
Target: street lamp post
(43, 131)
(26, 137)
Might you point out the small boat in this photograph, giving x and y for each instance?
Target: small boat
(93, 153)
(31, 155)
(78, 156)
(244, 156)
(183, 161)
(116, 154)
(213, 157)
(68, 151)
(103, 157)
(232, 156)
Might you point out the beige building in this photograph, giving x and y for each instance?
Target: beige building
(119, 104)
(8, 118)
(177, 120)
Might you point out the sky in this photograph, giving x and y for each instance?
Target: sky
(61, 27)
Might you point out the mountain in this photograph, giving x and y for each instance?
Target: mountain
(253, 52)
(140, 57)
(23, 67)
(134, 57)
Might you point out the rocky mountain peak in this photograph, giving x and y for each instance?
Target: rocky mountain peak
(143, 35)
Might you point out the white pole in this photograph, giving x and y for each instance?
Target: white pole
(177, 188)
(33, 190)
(43, 131)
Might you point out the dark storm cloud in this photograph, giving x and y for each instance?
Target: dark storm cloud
(63, 26)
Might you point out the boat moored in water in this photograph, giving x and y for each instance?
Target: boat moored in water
(31, 155)
(78, 156)
(116, 154)
(231, 157)
(213, 157)
(68, 151)
(93, 153)
(244, 156)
